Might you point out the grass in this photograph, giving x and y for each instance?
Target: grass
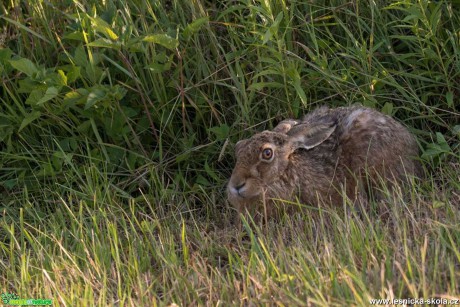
(117, 124)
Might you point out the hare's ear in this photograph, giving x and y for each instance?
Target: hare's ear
(285, 126)
(307, 137)
(239, 145)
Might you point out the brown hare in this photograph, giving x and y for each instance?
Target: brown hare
(329, 153)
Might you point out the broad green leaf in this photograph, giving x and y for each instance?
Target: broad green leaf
(158, 67)
(442, 142)
(221, 132)
(388, 108)
(195, 26)
(163, 40)
(105, 43)
(77, 35)
(273, 28)
(46, 169)
(261, 85)
(62, 77)
(75, 97)
(182, 157)
(10, 184)
(73, 74)
(450, 99)
(430, 54)
(161, 63)
(72, 95)
(129, 112)
(118, 92)
(84, 127)
(80, 58)
(456, 130)
(103, 27)
(434, 150)
(202, 181)
(95, 96)
(57, 79)
(298, 87)
(268, 72)
(50, 93)
(29, 118)
(35, 96)
(267, 36)
(38, 96)
(438, 204)
(24, 65)
(210, 171)
(5, 54)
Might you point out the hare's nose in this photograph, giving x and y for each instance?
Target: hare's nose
(239, 186)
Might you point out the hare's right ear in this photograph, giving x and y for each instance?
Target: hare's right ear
(307, 137)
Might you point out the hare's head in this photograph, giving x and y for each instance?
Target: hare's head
(263, 160)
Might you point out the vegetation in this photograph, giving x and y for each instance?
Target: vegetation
(117, 124)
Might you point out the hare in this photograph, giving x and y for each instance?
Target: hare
(329, 153)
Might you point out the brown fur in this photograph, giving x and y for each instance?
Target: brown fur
(352, 149)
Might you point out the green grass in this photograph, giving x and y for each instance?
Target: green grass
(117, 126)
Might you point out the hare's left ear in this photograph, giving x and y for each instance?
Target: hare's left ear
(239, 145)
(307, 137)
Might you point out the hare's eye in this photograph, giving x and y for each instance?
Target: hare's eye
(267, 154)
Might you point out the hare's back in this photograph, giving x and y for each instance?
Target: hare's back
(372, 139)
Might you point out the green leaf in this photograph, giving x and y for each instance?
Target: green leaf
(273, 28)
(24, 65)
(200, 180)
(210, 172)
(5, 54)
(103, 27)
(62, 77)
(298, 87)
(456, 130)
(263, 85)
(163, 40)
(73, 74)
(221, 132)
(74, 97)
(10, 184)
(80, 58)
(267, 36)
(438, 204)
(35, 96)
(195, 26)
(38, 97)
(158, 67)
(50, 93)
(58, 158)
(105, 43)
(432, 151)
(437, 149)
(442, 142)
(161, 63)
(388, 108)
(95, 96)
(450, 99)
(29, 118)
(77, 35)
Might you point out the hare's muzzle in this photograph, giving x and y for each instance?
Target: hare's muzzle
(237, 188)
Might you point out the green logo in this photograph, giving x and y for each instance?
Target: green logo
(6, 297)
(12, 299)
